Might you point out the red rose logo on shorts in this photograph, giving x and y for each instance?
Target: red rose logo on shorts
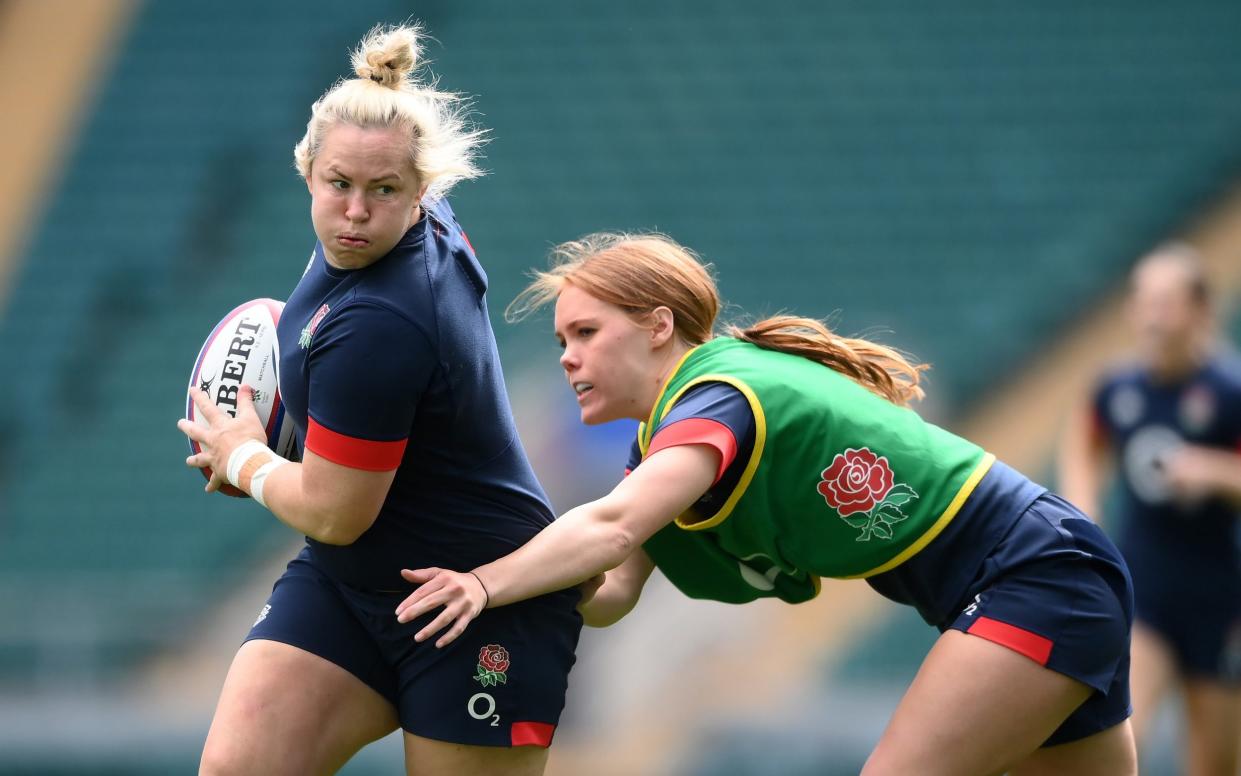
(860, 486)
(493, 662)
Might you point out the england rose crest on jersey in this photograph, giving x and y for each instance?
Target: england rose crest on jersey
(862, 489)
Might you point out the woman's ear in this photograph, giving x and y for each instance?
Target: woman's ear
(663, 326)
(422, 192)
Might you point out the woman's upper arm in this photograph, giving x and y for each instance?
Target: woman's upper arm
(666, 484)
(352, 497)
(368, 370)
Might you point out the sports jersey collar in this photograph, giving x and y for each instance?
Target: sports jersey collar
(650, 421)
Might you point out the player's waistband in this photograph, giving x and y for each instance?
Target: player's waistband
(934, 579)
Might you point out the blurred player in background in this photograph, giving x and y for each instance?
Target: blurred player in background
(389, 368)
(758, 470)
(1171, 425)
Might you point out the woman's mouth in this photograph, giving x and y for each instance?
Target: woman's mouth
(582, 388)
(352, 240)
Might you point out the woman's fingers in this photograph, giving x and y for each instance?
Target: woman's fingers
(438, 588)
(192, 430)
(456, 630)
(419, 576)
(406, 611)
(205, 406)
(438, 624)
(198, 461)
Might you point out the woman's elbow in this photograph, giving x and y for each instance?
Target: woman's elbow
(619, 543)
(342, 529)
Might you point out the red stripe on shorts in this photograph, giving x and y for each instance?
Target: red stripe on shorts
(1032, 645)
(532, 734)
(351, 451)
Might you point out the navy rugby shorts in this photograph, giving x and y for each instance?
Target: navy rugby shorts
(1056, 590)
(501, 683)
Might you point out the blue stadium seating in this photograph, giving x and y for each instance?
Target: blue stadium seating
(969, 177)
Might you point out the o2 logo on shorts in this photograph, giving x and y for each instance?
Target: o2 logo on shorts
(488, 710)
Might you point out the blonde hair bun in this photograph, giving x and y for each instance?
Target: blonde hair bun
(442, 141)
(387, 55)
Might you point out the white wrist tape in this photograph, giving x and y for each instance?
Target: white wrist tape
(237, 459)
(241, 455)
(260, 477)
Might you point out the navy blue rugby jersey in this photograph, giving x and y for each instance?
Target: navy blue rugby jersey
(1143, 421)
(395, 366)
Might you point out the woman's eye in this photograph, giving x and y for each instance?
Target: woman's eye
(585, 332)
(386, 190)
(340, 185)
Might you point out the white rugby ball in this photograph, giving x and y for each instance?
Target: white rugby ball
(243, 348)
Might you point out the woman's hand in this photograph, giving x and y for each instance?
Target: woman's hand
(223, 435)
(608, 598)
(461, 594)
(1195, 473)
(589, 588)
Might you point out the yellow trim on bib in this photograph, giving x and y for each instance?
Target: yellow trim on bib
(940, 523)
(760, 440)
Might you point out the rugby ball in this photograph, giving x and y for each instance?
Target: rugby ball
(242, 348)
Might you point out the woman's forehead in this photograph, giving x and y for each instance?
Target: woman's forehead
(375, 150)
(573, 303)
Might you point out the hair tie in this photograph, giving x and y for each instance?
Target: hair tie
(484, 587)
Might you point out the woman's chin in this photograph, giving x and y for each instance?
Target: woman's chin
(591, 417)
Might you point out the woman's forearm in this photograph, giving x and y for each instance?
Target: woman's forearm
(580, 544)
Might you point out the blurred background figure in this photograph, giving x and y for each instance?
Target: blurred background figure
(969, 182)
(1169, 425)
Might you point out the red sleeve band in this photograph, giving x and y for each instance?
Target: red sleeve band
(352, 452)
(698, 431)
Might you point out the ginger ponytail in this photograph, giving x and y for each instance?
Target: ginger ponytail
(880, 369)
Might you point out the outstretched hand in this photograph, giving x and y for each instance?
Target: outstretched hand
(223, 433)
(460, 593)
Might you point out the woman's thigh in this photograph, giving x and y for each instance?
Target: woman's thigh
(286, 711)
(974, 708)
(427, 757)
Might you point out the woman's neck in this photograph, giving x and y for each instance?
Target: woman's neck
(666, 363)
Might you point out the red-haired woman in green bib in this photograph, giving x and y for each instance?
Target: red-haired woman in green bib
(781, 453)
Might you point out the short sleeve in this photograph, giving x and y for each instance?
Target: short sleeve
(635, 457)
(713, 414)
(367, 371)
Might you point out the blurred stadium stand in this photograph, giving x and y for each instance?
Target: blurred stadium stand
(971, 178)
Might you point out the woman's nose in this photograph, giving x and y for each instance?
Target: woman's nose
(355, 209)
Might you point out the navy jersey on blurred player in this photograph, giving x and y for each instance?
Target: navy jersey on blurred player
(1169, 424)
(1183, 548)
